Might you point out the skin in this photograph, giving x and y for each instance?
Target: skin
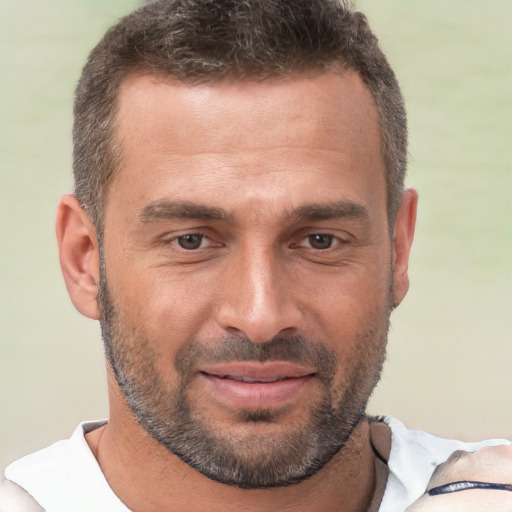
(260, 152)
(493, 465)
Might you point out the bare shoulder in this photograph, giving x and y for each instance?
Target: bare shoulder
(14, 498)
(471, 481)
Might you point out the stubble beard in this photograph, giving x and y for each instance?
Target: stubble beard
(243, 457)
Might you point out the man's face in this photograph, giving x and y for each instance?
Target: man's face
(247, 283)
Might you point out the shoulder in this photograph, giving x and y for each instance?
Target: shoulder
(36, 481)
(65, 476)
(415, 455)
(14, 498)
(470, 481)
(413, 446)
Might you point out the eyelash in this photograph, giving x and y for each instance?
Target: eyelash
(176, 241)
(333, 241)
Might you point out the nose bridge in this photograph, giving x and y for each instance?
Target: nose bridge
(256, 298)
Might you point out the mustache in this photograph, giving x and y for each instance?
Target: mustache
(295, 349)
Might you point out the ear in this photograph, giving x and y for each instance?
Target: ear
(79, 255)
(405, 222)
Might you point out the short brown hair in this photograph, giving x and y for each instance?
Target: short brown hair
(197, 41)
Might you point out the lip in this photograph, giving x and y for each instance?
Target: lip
(255, 386)
(254, 370)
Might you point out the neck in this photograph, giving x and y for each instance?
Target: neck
(161, 481)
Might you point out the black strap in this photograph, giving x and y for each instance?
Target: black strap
(377, 454)
(466, 485)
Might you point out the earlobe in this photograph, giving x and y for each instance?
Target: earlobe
(405, 223)
(79, 255)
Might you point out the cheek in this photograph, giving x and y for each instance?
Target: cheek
(358, 325)
(170, 309)
(348, 302)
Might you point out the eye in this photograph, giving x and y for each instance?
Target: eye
(320, 241)
(191, 241)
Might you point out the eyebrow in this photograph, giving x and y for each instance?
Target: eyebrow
(335, 210)
(168, 210)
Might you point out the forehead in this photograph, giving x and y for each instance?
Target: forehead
(302, 135)
(296, 108)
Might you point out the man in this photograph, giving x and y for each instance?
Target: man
(241, 230)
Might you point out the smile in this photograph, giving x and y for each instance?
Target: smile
(249, 379)
(256, 385)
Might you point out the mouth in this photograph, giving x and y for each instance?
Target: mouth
(249, 379)
(256, 385)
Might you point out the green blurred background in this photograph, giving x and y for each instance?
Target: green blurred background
(450, 354)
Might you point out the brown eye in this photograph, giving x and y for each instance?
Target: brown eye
(320, 241)
(190, 242)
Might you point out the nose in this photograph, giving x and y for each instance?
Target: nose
(257, 297)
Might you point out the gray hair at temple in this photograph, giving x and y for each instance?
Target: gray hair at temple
(200, 41)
